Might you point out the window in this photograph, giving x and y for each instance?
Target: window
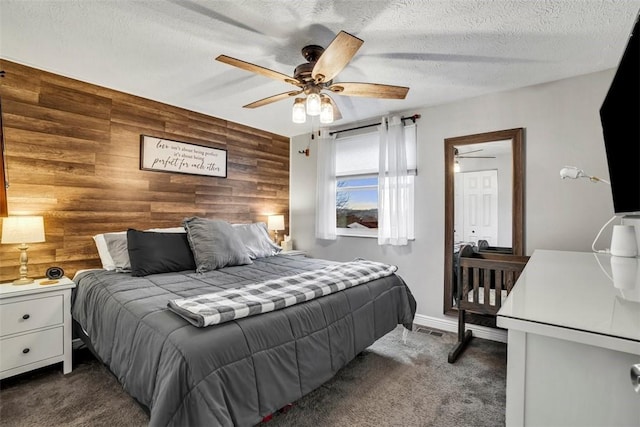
(357, 204)
(357, 165)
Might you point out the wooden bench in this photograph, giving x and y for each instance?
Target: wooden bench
(484, 278)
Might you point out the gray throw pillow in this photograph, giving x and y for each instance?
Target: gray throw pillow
(215, 244)
(117, 245)
(256, 239)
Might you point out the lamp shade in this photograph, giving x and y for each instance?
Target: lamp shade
(22, 229)
(275, 222)
(313, 104)
(326, 111)
(299, 115)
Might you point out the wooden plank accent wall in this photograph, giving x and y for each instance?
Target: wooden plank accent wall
(73, 156)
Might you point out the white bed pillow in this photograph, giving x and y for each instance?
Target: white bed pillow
(168, 230)
(121, 262)
(119, 251)
(103, 250)
(257, 240)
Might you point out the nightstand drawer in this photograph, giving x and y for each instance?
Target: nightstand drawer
(22, 316)
(29, 348)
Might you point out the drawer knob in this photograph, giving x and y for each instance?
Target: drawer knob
(26, 316)
(25, 351)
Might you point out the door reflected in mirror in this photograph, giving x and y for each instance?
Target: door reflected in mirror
(482, 193)
(483, 198)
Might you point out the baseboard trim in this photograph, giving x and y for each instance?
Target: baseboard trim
(483, 332)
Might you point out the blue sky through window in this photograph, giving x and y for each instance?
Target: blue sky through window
(362, 192)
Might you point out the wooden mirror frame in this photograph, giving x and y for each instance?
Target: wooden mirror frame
(516, 136)
(3, 185)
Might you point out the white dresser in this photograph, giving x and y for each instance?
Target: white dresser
(35, 326)
(573, 337)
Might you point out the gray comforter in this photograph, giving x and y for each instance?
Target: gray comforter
(237, 372)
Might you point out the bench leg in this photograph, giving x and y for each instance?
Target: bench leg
(463, 338)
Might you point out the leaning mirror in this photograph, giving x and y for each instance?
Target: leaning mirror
(484, 199)
(3, 188)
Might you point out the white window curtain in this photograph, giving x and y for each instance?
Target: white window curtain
(395, 213)
(326, 187)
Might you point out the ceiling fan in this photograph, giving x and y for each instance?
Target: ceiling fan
(459, 155)
(317, 74)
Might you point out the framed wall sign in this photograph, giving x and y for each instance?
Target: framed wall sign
(166, 155)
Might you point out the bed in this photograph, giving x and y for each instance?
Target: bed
(484, 279)
(239, 371)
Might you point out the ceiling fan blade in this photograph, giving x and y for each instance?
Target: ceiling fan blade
(370, 90)
(475, 157)
(469, 152)
(337, 115)
(335, 57)
(274, 98)
(247, 66)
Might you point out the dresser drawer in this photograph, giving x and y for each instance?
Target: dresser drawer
(29, 348)
(22, 316)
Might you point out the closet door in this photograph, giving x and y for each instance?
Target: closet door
(480, 206)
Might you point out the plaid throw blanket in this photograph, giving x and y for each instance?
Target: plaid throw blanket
(230, 304)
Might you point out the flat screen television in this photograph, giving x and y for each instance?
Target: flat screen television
(620, 117)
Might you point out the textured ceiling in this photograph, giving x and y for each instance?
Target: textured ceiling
(443, 50)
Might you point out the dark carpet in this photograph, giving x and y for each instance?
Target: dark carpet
(395, 382)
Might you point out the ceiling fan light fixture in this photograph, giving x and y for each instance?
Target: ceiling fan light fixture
(313, 104)
(326, 111)
(317, 75)
(298, 113)
(456, 167)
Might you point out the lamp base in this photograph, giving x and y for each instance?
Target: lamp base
(24, 271)
(22, 281)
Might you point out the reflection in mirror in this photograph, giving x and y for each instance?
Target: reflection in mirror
(482, 193)
(483, 199)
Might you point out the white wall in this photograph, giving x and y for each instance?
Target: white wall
(562, 127)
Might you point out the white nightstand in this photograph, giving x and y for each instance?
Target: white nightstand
(35, 326)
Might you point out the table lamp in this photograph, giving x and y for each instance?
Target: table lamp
(275, 223)
(22, 230)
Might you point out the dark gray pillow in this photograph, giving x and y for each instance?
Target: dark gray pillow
(154, 253)
(255, 238)
(117, 245)
(214, 244)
